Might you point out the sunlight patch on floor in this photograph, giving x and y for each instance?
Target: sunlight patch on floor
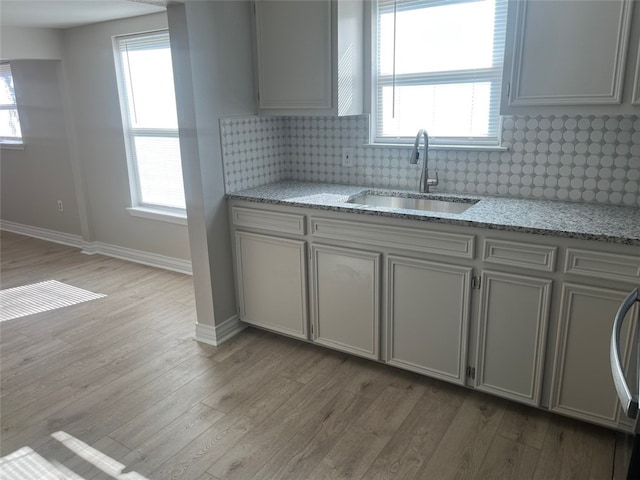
(26, 464)
(41, 297)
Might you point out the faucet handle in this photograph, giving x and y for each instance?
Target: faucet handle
(432, 182)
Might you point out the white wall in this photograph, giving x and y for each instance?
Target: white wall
(30, 43)
(211, 48)
(35, 178)
(97, 141)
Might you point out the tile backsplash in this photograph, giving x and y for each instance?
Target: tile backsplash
(575, 158)
(254, 151)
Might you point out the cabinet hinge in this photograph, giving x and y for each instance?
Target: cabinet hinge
(471, 372)
(475, 283)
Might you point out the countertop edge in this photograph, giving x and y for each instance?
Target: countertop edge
(442, 220)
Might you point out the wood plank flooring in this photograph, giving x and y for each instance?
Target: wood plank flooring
(123, 379)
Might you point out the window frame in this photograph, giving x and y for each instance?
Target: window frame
(12, 142)
(139, 208)
(493, 143)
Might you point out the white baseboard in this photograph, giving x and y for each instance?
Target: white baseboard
(138, 256)
(220, 333)
(91, 248)
(42, 233)
(229, 328)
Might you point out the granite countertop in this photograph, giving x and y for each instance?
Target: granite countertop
(590, 221)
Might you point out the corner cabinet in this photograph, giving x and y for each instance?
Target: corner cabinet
(271, 280)
(524, 317)
(271, 271)
(562, 54)
(309, 57)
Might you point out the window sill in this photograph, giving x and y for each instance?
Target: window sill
(158, 214)
(11, 146)
(476, 148)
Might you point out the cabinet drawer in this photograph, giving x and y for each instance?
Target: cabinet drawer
(612, 266)
(523, 255)
(275, 221)
(413, 239)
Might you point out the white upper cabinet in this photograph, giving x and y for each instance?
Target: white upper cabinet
(309, 57)
(635, 99)
(579, 56)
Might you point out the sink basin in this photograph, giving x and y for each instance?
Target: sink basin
(412, 203)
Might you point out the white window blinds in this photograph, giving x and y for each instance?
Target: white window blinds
(439, 67)
(10, 131)
(150, 119)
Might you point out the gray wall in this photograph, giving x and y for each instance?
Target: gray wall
(212, 65)
(74, 141)
(30, 43)
(35, 178)
(82, 126)
(98, 141)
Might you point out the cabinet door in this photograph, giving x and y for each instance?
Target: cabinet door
(568, 53)
(346, 299)
(635, 97)
(582, 382)
(512, 334)
(294, 54)
(428, 317)
(271, 275)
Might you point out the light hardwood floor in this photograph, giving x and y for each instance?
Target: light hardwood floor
(123, 375)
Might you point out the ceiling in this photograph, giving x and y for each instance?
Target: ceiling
(72, 13)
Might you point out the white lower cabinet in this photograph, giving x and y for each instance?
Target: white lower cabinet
(512, 321)
(428, 317)
(401, 292)
(582, 383)
(272, 286)
(345, 292)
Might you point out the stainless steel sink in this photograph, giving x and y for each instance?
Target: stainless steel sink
(411, 203)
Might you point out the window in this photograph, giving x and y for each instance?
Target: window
(10, 132)
(439, 67)
(147, 99)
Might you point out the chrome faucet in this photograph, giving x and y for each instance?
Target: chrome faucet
(425, 181)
